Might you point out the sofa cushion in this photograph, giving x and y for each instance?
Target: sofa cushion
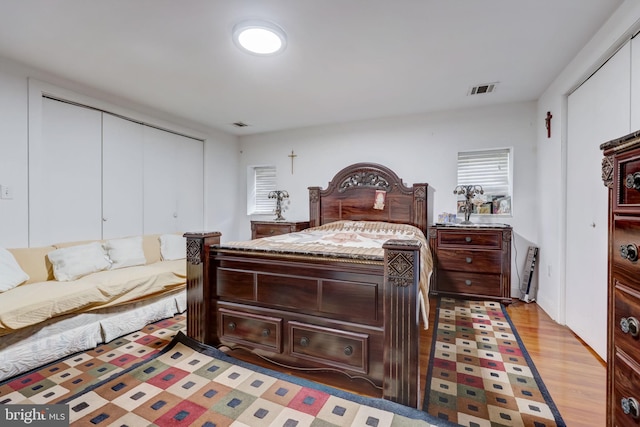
(151, 246)
(11, 275)
(35, 263)
(76, 261)
(172, 247)
(29, 305)
(125, 252)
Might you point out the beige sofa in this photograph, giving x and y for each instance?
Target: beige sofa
(63, 309)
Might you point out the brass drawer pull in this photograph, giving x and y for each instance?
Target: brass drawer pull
(468, 260)
(629, 252)
(304, 341)
(348, 350)
(467, 282)
(232, 326)
(630, 325)
(633, 181)
(467, 239)
(630, 407)
(266, 332)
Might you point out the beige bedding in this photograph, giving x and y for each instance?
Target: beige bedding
(36, 302)
(347, 239)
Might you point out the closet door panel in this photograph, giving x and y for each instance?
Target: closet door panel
(122, 172)
(161, 164)
(598, 111)
(65, 188)
(191, 185)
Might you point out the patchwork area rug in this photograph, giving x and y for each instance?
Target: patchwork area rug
(192, 384)
(480, 373)
(160, 377)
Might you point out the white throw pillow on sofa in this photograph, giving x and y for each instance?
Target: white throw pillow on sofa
(11, 275)
(76, 261)
(173, 246)
(125, 252)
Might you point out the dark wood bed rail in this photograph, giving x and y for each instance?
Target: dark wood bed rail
(400, 306)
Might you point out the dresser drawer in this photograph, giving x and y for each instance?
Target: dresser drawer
(627, 314)
(469, 283)
(329, 346)
(626, 385)
(250, 329)
(470, 260)
(470, 239)
(626, 249)
(629, 181)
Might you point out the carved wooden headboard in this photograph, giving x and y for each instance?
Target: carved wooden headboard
(351, 195)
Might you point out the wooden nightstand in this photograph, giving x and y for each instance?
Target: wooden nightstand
(471, 261)
(273, 228)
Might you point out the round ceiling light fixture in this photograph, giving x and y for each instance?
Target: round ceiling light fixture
(259, 37)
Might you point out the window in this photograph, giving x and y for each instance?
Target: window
(260, 181)
(492, 170)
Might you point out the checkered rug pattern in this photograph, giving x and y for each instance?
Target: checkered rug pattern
(160, 377)
(480, 374)
(73, 374)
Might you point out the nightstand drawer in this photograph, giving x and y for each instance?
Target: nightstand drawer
(469, 283)
(261, 229)
(470, 239)
(469, 260)
(266, 230)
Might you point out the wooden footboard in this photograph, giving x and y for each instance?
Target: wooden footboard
(360, 318)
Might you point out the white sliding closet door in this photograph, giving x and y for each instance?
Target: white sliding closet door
(65, 189)
(122, 171)
(191, 185)
(173, 182)
(598, 111)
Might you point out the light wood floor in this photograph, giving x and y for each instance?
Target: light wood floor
(574, 376)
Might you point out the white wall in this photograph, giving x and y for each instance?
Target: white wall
(419, 148)
(221, 153)
(552, 155)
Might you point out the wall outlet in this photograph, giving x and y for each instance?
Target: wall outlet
(6, 192)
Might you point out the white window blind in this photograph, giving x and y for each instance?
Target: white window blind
(261, 180)
(488, 168)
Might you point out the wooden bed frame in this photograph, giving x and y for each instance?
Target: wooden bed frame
(357, 317)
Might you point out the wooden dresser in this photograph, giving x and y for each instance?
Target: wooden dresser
(261, 229)
(621, 174)
(471, 261)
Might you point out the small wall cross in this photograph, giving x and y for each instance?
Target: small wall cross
(292, 155)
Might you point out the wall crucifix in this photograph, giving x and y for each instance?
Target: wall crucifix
(547, 123)
(292, 155)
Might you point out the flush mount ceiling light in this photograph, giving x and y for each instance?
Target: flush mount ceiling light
(259, 37)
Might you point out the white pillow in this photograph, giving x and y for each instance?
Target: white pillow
(173, 246)
(76, 261)
(11, 275)
(125, 252)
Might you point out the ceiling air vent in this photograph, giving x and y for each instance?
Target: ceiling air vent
(240, 124)
(483, 88)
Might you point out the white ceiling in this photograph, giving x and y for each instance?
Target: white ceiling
(345, 60)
